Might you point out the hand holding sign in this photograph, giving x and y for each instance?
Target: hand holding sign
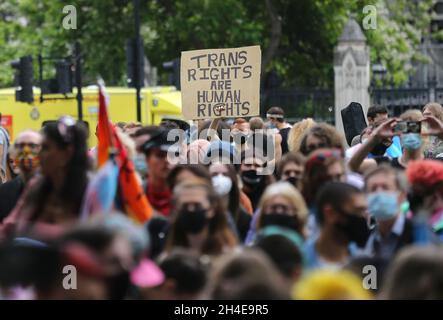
(221, 83)
(219, 108)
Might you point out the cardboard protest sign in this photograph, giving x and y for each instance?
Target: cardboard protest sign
(220, 77)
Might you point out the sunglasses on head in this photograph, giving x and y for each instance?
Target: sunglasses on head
(313, 147)
(322, 156)
(63, 126)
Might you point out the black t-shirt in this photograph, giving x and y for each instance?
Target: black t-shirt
(10, 192)
(284, 140)
(243, 223)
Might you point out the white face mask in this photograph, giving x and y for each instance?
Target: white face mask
(222, 184)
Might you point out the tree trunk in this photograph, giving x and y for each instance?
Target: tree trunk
(276, 32)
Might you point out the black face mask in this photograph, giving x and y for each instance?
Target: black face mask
(293, 181)
(251, 178)
(356, 229)
(379, 149)
(192, 222)
(278, 219)
(118, 285)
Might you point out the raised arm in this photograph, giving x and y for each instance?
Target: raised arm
(212, 130)
(358, 162)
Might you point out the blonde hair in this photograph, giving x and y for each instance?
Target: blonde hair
(296, 133)
(412, 115)
(436, 110)
(286, 190)
(330, 285)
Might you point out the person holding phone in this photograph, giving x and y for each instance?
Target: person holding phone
(411, 138)
(408, 127)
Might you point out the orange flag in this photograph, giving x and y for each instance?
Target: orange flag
(133, 200)
(104, 135)
(132, 197)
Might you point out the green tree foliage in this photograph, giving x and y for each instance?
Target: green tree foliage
(103, 26)
(297, 37)
(402, 25)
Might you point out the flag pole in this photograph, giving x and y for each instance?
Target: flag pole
(137, 58)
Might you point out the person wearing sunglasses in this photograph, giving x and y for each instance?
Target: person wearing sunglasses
(25, 158)
(321, 135)
(411, 145)
(52, 200)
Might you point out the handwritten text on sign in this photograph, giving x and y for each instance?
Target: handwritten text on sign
(220, 77)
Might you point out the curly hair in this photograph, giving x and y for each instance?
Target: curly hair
(325, 132)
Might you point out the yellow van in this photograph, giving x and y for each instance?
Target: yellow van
(157, 103)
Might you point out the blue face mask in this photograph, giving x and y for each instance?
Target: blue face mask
(411, 141)
(140, 164)
(383, 205)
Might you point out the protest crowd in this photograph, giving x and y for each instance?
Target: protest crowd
(230, 208)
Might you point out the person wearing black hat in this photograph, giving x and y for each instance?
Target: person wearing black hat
(156, 151)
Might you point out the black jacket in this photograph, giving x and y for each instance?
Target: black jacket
(10, 192)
